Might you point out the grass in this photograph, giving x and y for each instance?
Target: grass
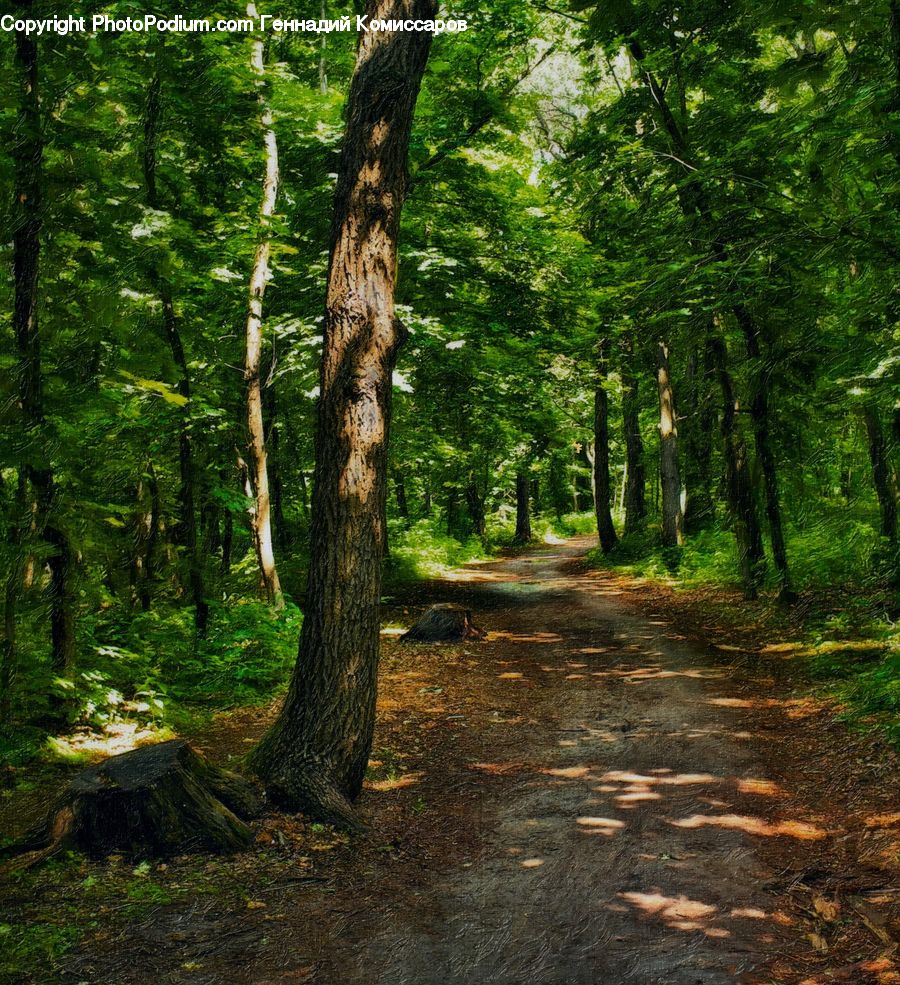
(844, 630)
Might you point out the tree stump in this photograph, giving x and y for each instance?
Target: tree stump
(445, 623)
(156, 801)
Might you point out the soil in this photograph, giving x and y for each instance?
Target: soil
(592, 794)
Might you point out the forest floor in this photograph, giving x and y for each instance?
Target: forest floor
(605, 790)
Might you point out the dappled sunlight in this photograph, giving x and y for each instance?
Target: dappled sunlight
(677, 912)
(710, 731)
(605, 826)
(744, 702)
(506, 636)
(395, 783)
(531, 863)
(115, 738)
(569, 772)
(499, 769)
(668, 779)
(467, 576)
(753, 826)
(654, 672)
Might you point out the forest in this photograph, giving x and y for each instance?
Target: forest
(565, 335)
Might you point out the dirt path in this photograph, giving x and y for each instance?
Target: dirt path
(587, 797)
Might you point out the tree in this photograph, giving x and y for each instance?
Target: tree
(314, 757)
(258, 471)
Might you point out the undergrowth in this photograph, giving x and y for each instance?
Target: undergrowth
(843, 631)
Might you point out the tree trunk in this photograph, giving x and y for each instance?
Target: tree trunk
(323, 47)
(9, 652)
(274, 465)
(400, 491)
(523, 509)
(670, 476)
(738, 484)
(156, 801)
(452, 511)
(602, 485)
(881, 476)
(28, 159)
(260, 510)
(699, 510)
(475, 507)
(759, 411)
(186, 528)
(314, 757)
(635, 476)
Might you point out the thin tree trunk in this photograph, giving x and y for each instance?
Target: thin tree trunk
(9, 652)
(669, 473)
(635, 477)
(475, 507)
(260, 511)
(186, 528)
(881, 477)
(523, 509)
(323, 47)
(400, 492)
(759, 411)
(28, 155)
(697, 442)
(314, 758)
(602, 486)
(273, 461)
(738, 484)
(146, 537)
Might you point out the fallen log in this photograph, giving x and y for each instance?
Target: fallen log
(152, 802)
(444, 623)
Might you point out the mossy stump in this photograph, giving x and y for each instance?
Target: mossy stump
(444, 623)
(153, 802)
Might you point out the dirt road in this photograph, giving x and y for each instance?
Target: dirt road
(601, 802)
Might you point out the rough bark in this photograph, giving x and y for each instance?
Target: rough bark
(444, 623)
(881, 475)
(314, 758)
(523, 509)
(635, 475)
(28, 153)
(669, 472)
(260, 510)
(738, 483)
(156, 801)
(606, 531)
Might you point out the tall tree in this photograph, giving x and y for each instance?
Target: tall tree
(186, 528)
(258, 472)
(602, 484)
(314, 757)
(669, 472)
(38, 467)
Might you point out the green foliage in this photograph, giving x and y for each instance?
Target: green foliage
(424, 550)
(34, 950)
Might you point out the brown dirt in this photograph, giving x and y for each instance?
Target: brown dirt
(591, 795)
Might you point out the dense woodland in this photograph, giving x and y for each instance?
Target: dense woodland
(646, 288)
